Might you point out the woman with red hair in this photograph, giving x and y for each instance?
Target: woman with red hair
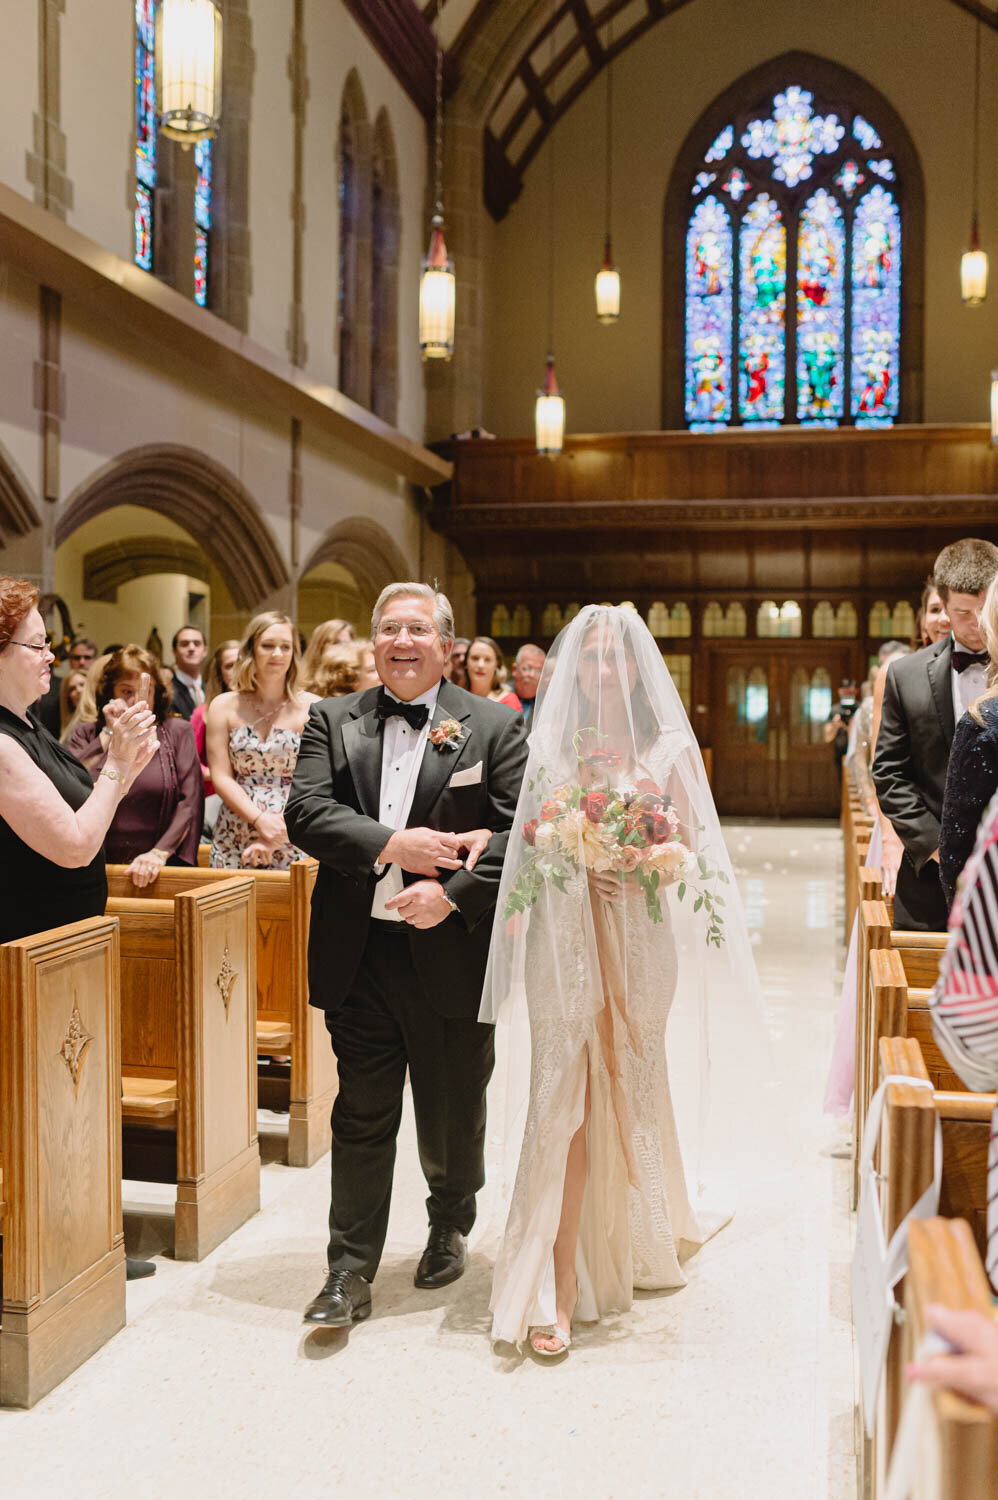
(53, 818)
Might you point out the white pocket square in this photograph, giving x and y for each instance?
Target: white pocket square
(471, 777)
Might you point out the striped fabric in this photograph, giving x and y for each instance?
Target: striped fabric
(965, 1000)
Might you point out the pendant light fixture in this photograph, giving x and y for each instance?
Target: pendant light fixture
(437, 284)
(974, 262)
(549, 407)
(608, 277)
(189, 68)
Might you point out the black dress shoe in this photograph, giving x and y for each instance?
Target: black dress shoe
(444, 1258)
(345, 1299)
(137, 1270)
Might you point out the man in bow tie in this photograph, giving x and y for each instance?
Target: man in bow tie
(405, 794)
(925, 694)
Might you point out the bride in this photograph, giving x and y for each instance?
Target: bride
(616, 897)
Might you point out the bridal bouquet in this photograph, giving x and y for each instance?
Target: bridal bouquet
(605, 826)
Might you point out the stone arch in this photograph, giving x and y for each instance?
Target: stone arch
(198, 494)
(828, 78)
(366, 550)
(106, 568)
(353, 277)
(386, 233)
(19, 514)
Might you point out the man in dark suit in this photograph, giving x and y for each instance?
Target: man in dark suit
(390, 787)
(189, 651)
(925, 694)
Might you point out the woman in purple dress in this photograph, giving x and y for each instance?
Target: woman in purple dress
(160, 821)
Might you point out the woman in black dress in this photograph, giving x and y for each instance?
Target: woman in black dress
(972, 776)
(53, 818)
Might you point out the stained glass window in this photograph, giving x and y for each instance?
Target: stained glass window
(793, 270)
(202, 221)
(145, 129)
(763, 278)
(708, 316)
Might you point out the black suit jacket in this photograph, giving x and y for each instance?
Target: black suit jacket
(332, 813)
(909, 772)
(971, 782)
(182, 701)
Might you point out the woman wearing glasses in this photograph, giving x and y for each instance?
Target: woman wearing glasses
(253, 737)
(53, 818)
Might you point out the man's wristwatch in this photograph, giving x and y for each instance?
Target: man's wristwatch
(450, 899)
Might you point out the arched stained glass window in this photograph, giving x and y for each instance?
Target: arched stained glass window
(658, 618)
(880, 619)
(145, 129)
(551, 619)
(500, 620)
(903, 621)
(202, 220)
(796, 193)
(846, 621)
(823, 621)
(520, 624)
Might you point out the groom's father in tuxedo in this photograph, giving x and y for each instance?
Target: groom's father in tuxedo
(396, 793)
(925, 694)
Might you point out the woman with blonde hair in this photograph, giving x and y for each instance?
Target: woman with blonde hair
(218, 680)
(70, 691)
(86, 708)
(253, 736)
(329, 633)
(972, 774)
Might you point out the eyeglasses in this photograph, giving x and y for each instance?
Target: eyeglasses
(26, 644)
(419, 630)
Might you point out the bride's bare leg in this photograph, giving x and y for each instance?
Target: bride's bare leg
(566, 1286)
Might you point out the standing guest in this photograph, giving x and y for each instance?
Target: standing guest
(81, 657)
(86, 709)
(337, 674)
(932, 621)
(70, 693)
(924, 696)
(839, 719)
(53, 817)
(189, 651)
(329, 633)
(528, 665)
(254, 733)
(386, 785)
(219, 680)
(456, 668)
(160, 823)
(368, 669)
(972, 778)
(486, 671)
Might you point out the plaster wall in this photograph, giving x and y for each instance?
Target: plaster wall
(918, 53)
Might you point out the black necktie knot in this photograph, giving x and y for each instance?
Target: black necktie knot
(963, 659)
(415, 714)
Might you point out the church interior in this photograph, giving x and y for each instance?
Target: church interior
(547, 303)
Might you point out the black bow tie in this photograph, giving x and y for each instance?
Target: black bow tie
(415, 714)
(961, 660)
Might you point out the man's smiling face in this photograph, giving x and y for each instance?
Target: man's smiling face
(408, 650)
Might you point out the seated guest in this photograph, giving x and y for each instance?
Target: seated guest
(932, 621)
(972, 777)
(70, 693)
(924, 696)
(218, 680)
(337, 674)
(160, 823)
(367, 671)
(53, 817)
(189, 652)
(81, 657)
(486, 671)
(528, 665)
(456, 669)
(329, 633)
(254, 734)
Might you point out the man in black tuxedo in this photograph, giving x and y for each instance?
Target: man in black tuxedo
(405, 794)
(925, 694)
(189, 651)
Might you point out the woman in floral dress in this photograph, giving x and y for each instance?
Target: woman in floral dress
(253, 736)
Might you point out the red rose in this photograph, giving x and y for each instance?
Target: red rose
(662, 831)
(645, 785)
(594, 805)
(550, 811)
(530, 830)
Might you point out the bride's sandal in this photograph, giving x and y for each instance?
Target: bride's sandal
(550, 1331)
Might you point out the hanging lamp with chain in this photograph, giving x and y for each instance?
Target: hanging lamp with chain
(189, 68)
(608, 277)
(974, 261)
(437, 283)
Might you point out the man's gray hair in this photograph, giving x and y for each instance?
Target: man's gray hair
(528, 646)
(893, 648)
(443, 615)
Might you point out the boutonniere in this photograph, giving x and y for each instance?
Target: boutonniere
(448, 734)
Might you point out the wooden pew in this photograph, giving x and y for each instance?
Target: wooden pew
(60, 1150)
(874, 932)
(958, 1444)
(188, 1049)
(286, 1023)
(906, 1152)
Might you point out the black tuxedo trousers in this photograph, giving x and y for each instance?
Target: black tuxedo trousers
(386, 1025)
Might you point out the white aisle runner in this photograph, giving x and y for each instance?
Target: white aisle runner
(738, 1386)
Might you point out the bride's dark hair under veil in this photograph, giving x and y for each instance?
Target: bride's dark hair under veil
(609, 728)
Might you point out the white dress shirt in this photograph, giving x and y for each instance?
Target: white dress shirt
(194, 684)
(401, 759)
(968, 684)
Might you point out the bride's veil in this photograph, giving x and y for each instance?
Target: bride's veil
(608, 718)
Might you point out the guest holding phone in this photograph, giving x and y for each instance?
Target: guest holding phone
(161, 821)
(53, 817)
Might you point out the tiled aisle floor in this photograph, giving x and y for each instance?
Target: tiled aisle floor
(740, 1385)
